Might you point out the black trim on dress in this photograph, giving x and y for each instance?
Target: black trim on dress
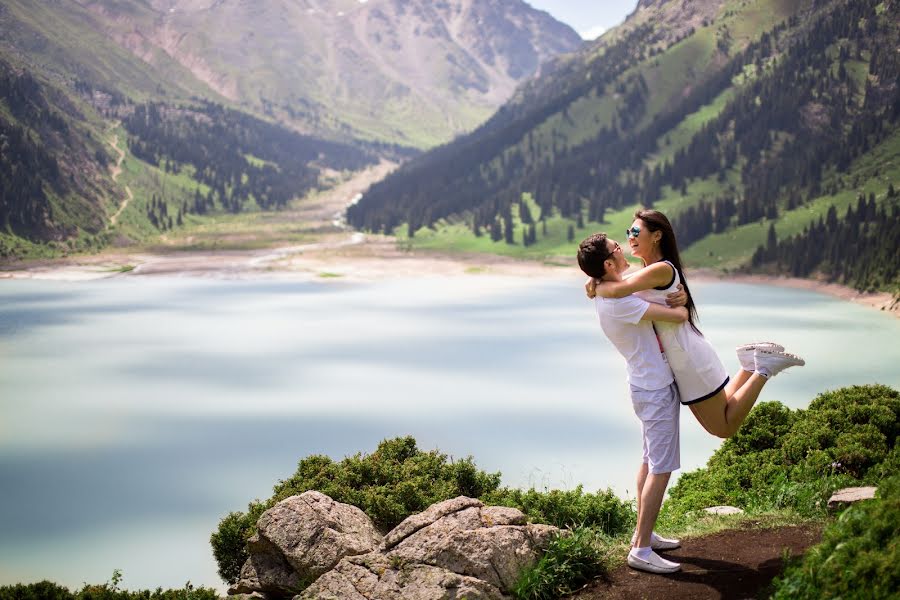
(709, 395)
(671, 281)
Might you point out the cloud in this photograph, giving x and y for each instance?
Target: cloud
(593, 33)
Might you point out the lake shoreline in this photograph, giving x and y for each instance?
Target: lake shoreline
(364, 258)
(882, 301)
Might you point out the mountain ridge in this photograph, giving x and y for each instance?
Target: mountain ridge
(765, 113)
(383, 69)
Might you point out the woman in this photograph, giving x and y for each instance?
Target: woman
(718, 402)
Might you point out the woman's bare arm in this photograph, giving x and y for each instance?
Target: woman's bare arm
(655, 275)
(658, 312)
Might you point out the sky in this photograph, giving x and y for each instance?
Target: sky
(589, 18)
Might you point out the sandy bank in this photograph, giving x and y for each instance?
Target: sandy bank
(879, 300)
(361, 258)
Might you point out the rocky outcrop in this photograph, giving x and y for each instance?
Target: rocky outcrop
(299, 539)
(454, 549)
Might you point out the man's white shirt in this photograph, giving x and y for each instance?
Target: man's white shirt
(635, 340)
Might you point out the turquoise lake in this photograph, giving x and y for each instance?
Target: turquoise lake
(136, 412)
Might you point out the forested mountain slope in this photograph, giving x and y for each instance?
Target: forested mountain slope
(766, 113)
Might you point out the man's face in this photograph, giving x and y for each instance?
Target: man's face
(620, 263)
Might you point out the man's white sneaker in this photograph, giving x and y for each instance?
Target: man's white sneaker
(654, 563)
(770, 363)
(745, 353)
(657, 542)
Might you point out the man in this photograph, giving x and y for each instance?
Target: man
(627, 322)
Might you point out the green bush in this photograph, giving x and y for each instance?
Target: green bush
(569, 508)
(859, 556)
(784, 459)
(45, 590)
(572, 559)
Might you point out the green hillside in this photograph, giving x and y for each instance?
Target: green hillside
(766, 115)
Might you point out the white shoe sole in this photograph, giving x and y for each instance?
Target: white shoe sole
(768, 346)
(643, 565)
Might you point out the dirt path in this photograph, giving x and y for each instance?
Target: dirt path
(734, 564)
(116, 171)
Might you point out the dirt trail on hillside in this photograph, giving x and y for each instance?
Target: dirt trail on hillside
(333, 251)
(116, 171)
(729, 565)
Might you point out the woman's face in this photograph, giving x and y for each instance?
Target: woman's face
(640, 239)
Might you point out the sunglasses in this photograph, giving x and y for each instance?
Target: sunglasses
(616, 248)
(634, 231)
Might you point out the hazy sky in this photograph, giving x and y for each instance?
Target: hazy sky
(590, 18)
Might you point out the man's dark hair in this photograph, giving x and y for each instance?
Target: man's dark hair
(592, 253)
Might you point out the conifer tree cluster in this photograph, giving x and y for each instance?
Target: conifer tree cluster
(859, 250)
(808, 98)
(218, 143)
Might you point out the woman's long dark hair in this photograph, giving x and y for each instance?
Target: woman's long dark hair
(656, 221)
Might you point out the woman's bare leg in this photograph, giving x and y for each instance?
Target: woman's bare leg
(722, 415)
(736, 382)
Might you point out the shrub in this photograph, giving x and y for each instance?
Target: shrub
(46, 590)
(570, 508)
(784, 459)
(858, 558)
(571, 559)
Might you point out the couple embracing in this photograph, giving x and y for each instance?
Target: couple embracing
(649, 316)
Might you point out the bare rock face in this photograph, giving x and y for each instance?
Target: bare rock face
(266, 571)
(375, 576)
(454, 549)
(299, 539)
(314, 532)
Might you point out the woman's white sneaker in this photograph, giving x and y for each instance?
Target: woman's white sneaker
(745, 353)
(653, 563)
(771, 363)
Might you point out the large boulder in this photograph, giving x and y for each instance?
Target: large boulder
(454, 549)
(299, 539)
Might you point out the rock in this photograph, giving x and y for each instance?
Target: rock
(266, 571)
(299, 539)
(851, 495)
(375, 576)
(454, 549)
(469, 543)
(413, 523)
(723, 510)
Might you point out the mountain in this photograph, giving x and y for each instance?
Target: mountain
(229, 106)
(734, 117)
(413, 72)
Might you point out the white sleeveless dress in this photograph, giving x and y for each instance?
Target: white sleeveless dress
(698, 371)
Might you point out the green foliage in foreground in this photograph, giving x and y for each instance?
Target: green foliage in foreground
(398, 480)
(783, 459)
(46, 590)
(859, 556)
(572, 559)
